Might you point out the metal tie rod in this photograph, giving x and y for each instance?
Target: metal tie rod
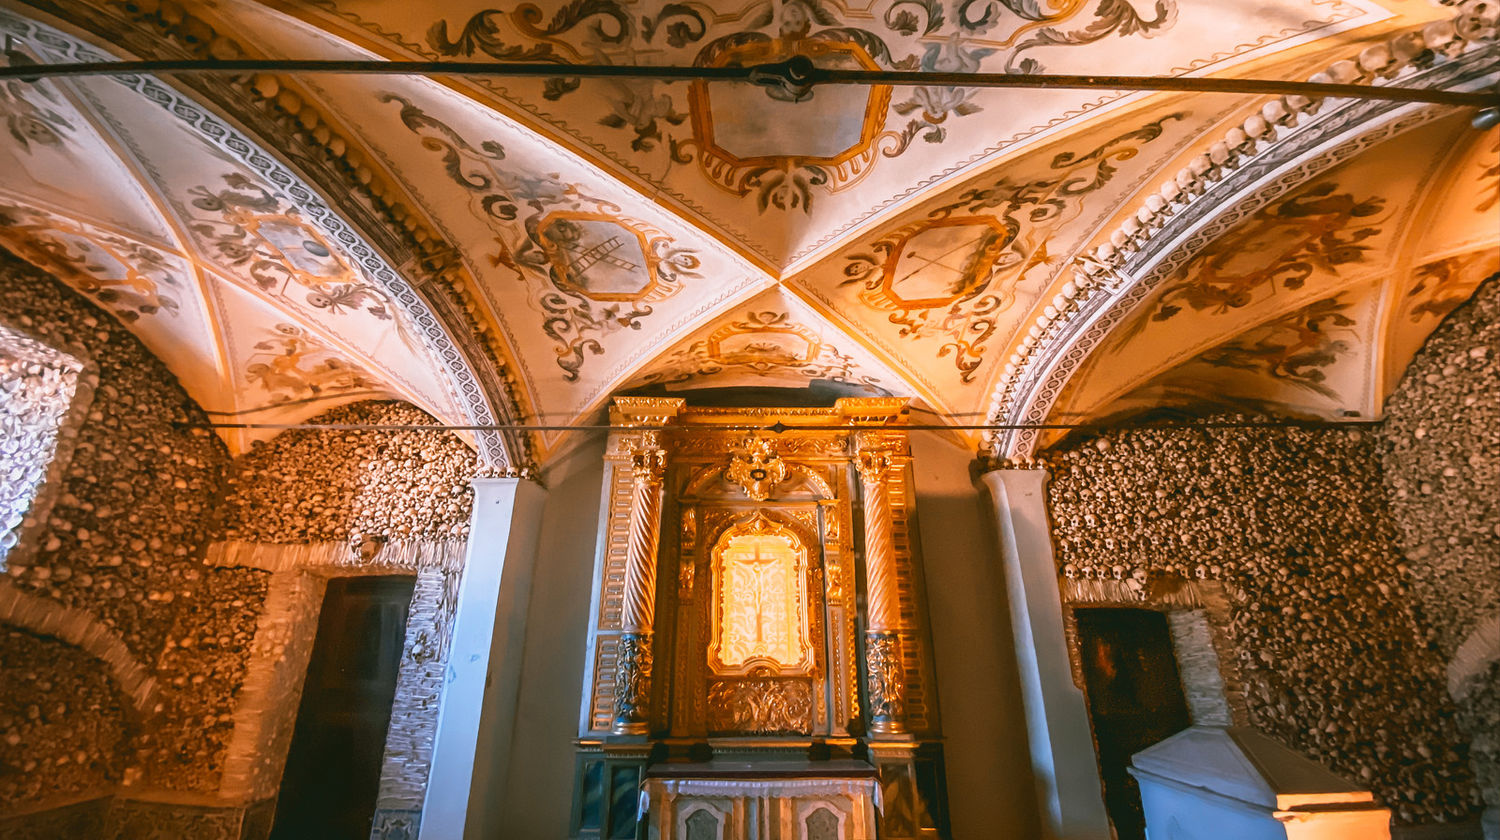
(795, 76)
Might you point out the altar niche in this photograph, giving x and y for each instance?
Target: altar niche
(764, 664)
(759, 638)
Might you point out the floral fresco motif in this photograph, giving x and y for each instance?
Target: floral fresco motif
(739, 135)
(1489, 176)
(291, 364)
(762, 344)
(952, 275)
(591, 271)
(1280, 248)
(32, 115)
(1441, 285)
(1296, 348)
(260, 237)
(126, 277)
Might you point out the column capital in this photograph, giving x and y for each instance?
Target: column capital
(479, 481)
(874, 465)
(648, 464)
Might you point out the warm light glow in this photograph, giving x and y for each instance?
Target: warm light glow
(760, 592)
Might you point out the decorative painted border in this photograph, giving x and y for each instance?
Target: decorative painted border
(435, 337)
(1231, 180)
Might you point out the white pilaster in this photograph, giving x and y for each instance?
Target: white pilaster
(1057, 723)
(476, 717)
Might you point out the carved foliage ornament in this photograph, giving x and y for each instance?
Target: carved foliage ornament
(886, 681)
(761, 706)
(757, 469)
(648, 464)
(633, 684)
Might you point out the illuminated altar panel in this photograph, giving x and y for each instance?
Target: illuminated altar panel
(760, 614)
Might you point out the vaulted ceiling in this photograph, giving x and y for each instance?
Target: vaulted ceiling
(500, 249)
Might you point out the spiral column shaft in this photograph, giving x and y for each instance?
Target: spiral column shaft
(885, 684)
(638, 608)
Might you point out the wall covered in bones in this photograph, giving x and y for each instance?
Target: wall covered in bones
(1355, 562)
(1440, 449)
(158, 604)
(320, 503)
(118, 562)
(309, 485)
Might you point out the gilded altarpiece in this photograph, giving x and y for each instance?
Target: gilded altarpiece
(758, 534)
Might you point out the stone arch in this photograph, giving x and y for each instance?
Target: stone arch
(46, 617)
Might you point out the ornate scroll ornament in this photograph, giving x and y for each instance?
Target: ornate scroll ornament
(687, 544)
(885, 682)
(761, 707)
(633, 684)
(757, 469)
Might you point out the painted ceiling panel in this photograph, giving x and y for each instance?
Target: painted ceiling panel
(1315, 303)
(948, 283)
(250, 233)
(585, 277)
(254, 305)
(54, 154)
(1311, 361)
(774, 340)
(279, 366)
(781, 179)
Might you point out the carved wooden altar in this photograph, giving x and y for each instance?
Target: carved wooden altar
(758, 599)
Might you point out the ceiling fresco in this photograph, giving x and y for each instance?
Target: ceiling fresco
(260, 312)
(1315, 304)
(601, 236)
(779, 180)
(773, 340)
(946, 286)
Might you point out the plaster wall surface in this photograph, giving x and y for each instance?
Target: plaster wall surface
(539, 792)
(990, 789)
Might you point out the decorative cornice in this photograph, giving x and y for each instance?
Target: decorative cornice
(1235, 176)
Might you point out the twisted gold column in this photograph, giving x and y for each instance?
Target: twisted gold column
(885, 682)
(638, 610)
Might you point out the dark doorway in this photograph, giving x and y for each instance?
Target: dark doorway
(1135, 699)
(333, 767)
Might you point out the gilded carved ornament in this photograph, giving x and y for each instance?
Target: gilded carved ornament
(761, 706)
(645, 411)
(757, 470)
(648, 464)
(874, 465)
